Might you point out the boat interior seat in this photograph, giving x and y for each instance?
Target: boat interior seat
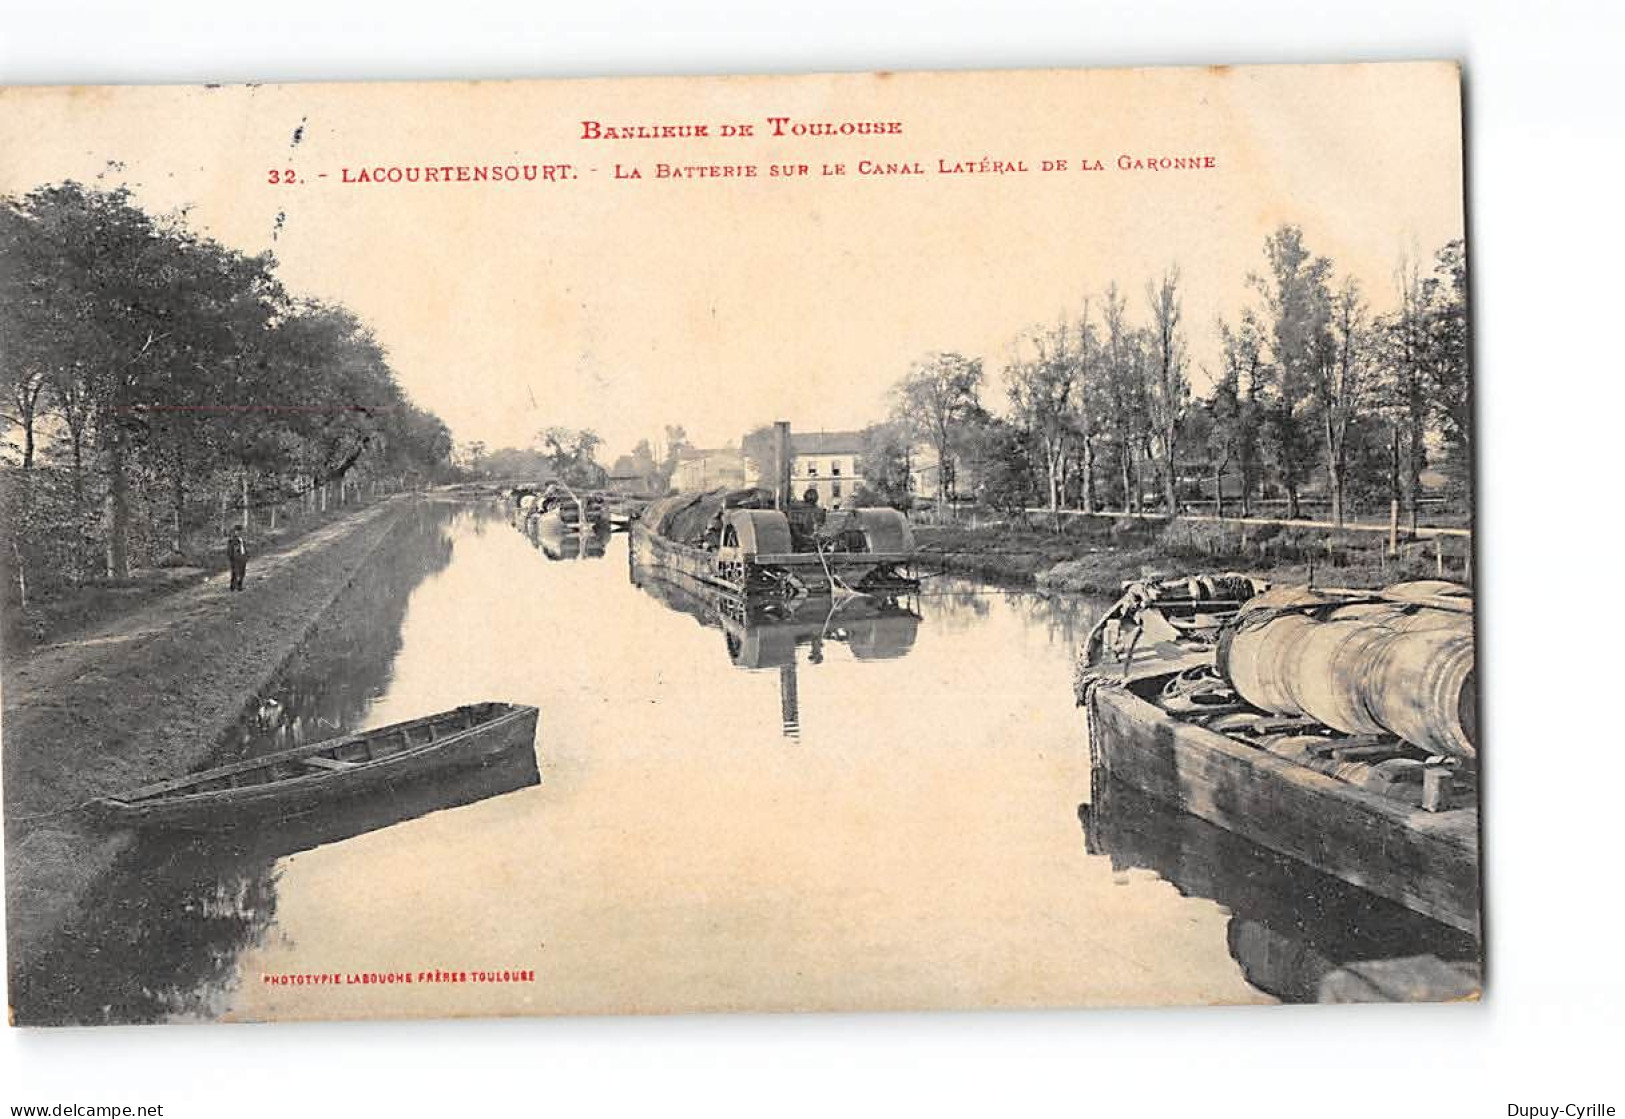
(316, 761)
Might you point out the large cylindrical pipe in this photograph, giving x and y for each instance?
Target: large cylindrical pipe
(1254, 655)
(1371, 668)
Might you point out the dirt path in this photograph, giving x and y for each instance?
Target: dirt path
(48, 666)
(145, 696)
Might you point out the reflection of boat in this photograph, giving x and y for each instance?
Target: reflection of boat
(767, 635)
(489, 776)
(296, 780)
(1291, 927)
(568, 545)
(1330, 726)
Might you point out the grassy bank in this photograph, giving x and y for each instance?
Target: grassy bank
(147, 695)
(1095, 555)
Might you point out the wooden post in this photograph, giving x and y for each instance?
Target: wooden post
(1438, 554)
(1393, 527)
(245, 501)
(1435, 788)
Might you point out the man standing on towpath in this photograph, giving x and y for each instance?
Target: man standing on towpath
(237, 556)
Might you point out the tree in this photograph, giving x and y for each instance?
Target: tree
(32, 333)
(758, 451)
(1404, 339)
(1124, 391)
(1168, 389)
(1043, 392)
(1447, 360)
(1340, 385)
(1295, 314)
(930, 403)
(1004, 454)
(572, 454)
(677, 448)
(1233, 436)
(883, 465)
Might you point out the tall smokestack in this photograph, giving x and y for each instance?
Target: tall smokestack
(781, 464)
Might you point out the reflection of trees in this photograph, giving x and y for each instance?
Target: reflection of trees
(1065, 618)
(953, 605)
(344, 663)
(159, 938)
(1291, 925)
(161, 933)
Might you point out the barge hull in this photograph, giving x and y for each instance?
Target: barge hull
(1426, 861)
(810, 569)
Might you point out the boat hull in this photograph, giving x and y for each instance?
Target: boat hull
(232, 794)
(1426, 861)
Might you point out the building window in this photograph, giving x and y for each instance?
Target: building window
(812, 470)
(835, 488)
(835, 470)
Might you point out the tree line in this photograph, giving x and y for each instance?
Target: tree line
(158, 384)
(1312, 386)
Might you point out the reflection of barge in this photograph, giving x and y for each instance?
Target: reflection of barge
(1333, 727)
(571, 545)
(1296, 933)
(767, 635)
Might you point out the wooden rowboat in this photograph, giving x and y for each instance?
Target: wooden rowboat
(293, 781)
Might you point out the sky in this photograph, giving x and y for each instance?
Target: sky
(719, 304)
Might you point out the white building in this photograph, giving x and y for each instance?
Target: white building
(827, 461)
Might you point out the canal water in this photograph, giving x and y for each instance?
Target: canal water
(868, 807)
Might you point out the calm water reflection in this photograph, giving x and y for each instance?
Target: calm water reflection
(867, 808)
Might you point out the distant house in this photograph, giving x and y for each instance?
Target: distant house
(707, 470)
(827, 461)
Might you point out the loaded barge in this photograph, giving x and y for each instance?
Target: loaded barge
(1334, 727)
(759, 544)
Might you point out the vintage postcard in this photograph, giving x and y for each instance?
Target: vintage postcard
(837, 542)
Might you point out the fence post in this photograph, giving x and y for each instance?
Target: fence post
(1393, 527)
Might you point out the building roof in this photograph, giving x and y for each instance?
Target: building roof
(826, 442)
